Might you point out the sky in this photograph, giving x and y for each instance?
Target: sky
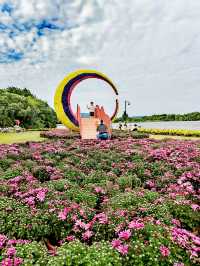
(149, 48)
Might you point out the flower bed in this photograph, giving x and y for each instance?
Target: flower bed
(173, 132)
(66, 134)
(120, 134)
(59, 133)
(120, 202)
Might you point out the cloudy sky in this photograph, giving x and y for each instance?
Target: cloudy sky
(149, 48)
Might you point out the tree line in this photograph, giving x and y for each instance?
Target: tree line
(194, 116)
(21, 104)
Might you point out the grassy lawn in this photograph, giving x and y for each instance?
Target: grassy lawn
(9, 138)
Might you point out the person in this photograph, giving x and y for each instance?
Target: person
(135, 127)
(120, 126)
(125, 125)
(102, 131)
(91, 108)
(17, 122)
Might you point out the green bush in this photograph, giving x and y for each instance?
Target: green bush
(81, 196)
(145, 248)
(124, 182)
(77, 254)
(188, 217)
(41, 174)
(6, 163)
(18, 222)
(125, 134)
(33, 253)
(11, 173)
(126, 200)
(129, 181)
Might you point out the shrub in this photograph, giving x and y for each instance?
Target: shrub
(10, 173)
(6, 163)
(33, 253)
(76, 253)
(188, 217)
(145, 248)
(125, 134)
(81, 196)
(41, 174)
(17, 221)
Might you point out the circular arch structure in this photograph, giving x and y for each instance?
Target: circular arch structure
(63, 93)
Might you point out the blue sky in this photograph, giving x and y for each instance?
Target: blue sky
(150, 49)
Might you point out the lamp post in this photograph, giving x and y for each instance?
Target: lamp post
(125, 115)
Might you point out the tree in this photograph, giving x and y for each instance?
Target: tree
(17, 104)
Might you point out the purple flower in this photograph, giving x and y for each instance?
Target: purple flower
(193, 254)
(195, 207)
(12, 262)
(102, 217)
(99, 190)
(70, 238)
(62, 216)
(3, 239)
(11, 252)
(176, 222)
(18, 261)
(80, 224)
(164, 251)
(7, 262)
(136, 225)
(30, 201)
(87, 235)
(123, 249)
(116, 243)
(41, 196)
(126, 234)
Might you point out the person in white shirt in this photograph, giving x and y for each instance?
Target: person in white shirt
(91, 108)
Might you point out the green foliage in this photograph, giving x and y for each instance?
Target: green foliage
(124, 182)
(102, 191)
(17, 222)
(24, 92)
(41, 174)
(131, 200)
(17, 104)
(146, 251)
(129, 181)
(10, 173)
(76, 253)
(81, 196)
(5, 163)
(194, 116)
(33, 253)
(188, 217)
(116, 134)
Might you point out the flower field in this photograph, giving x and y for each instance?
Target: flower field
(120, 202)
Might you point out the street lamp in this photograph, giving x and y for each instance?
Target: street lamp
(125, 115)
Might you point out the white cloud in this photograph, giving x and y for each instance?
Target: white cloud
(86, 60)
(149, 48)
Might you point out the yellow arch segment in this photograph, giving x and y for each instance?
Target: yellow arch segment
(58, 96)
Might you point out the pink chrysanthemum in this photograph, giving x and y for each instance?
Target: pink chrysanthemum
(164, 251)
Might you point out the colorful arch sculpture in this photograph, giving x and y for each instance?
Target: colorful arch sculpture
(63, 93)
